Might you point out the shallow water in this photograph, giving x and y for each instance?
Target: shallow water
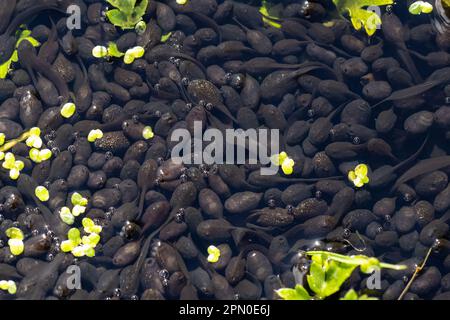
(305, 82)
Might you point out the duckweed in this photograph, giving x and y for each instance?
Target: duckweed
(14, 166)
(8, 285)
(39, 156)
(78, 199)
(132, 54)
(213, 254)
(90, 227)
(94, 135)
(15, 242)
(359, 175)
(147, 133)
(100, 52)
(420, 7)
(42, 193)
(66, 216)
(34, 140)
(282, 159)
(68, 110)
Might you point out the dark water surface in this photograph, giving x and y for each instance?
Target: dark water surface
(337, 98)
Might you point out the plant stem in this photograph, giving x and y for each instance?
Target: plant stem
(10, 144)
(415, 274)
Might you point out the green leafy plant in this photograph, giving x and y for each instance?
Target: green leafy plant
(352, 295)
(126, 14)
(328, 271)
(361, 17)
(21, 35)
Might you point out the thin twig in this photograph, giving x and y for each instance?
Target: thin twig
(416, 273)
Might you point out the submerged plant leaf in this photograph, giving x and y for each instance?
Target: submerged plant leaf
(268, 17)
(299, 293)
(326, 276)
(126, 14)
(165, 37)
(359, 16)
(352, 295)
(21, 36)
(114, 51)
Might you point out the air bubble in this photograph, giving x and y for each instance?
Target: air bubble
(290, 209)
(163, 274)
(346, 233)
(72, 149)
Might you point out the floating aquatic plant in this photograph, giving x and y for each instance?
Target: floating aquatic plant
(94, 135)
(359, 175)
(68, 110)
(140, 27)
(282, 159)
(79, 207)
(147, 133)
(361, 17)
(42, 193)
(8, 285)
(127, 14)
(21, 36)
(213, 254)
(82, 246)
(78, 199)
(328, 271)
(15, 241)
(420, 7)
(132, 54)
(34, 140)
(14, 166)
(39, 156)
(90, 227)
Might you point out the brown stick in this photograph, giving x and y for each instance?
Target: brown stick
(416, 273)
